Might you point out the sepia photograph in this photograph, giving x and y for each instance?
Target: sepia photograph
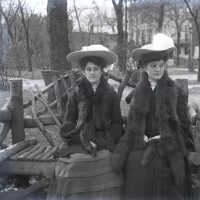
(99, 99)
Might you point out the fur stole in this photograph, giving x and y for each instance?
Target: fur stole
(95, 108)
(166, 95)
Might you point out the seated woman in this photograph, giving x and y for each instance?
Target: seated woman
(92, 127)
(157, 140)
(93, 116)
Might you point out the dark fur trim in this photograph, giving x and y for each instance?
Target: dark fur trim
(86, 89)
(166, 102)
(166, 97)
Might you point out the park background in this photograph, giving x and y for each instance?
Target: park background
(36, 35)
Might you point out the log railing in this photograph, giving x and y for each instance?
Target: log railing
(50, 112)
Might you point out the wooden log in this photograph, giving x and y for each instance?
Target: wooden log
(4, 132)
(17, 111)
(58, 96)
(37, 152)
(22, 193)
(21, 153)
(46, 89)
(42, 99)
(47, 148)
(5, 115)
(50, 76)
(40, 125)
(38, 168)
(29, 122)
(29, 103)
(30, 151)
(13, 149)
(50, 153)
(44, 110)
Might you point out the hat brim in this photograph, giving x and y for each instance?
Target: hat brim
(108, 56)
(138, 53)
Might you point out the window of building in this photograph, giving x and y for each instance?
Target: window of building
(186, 50)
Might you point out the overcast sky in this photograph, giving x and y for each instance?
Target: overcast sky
(39, 6)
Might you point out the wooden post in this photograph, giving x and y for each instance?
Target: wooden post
(49, 76)
(16, 106)
(17, 121)
(183, 84)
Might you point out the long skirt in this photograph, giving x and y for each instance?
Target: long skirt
(82, 177)
(153, 181)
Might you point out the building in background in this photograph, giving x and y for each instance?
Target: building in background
(142, 25)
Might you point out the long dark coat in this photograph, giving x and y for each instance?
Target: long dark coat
(156, 169)
(101, 112)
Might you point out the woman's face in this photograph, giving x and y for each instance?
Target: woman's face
(155, 69)
(93, 72)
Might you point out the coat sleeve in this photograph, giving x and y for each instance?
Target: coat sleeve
(116, 128)
(182, 111)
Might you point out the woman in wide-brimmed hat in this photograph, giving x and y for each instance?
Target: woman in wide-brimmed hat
(92, 127)
(101, 104)
(154, 149)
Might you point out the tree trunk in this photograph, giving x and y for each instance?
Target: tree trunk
(1, 40)
(25, 24)
(178, 48)
(197, 25)
(161, 16)
(120, 34)
(58, 34)
(16, 107)
(198, 78)
(28, 50)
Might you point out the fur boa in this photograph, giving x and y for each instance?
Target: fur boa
(95, 119)
(166, 95)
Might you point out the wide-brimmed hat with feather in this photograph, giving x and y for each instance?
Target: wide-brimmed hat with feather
(96, 50)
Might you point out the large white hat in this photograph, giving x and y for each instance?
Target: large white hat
(160, 43)
(97, 50)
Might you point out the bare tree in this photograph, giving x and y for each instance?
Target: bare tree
(11, 17)
(77, 17)
(194, 9)
(25, 19)
(121, 51)
(58, 34)
(177, 14)
(153, 11)
(1, 38)
(110, 22)
(39, 40)
(161, 12)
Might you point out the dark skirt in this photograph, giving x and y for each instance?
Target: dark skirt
(153, 181)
